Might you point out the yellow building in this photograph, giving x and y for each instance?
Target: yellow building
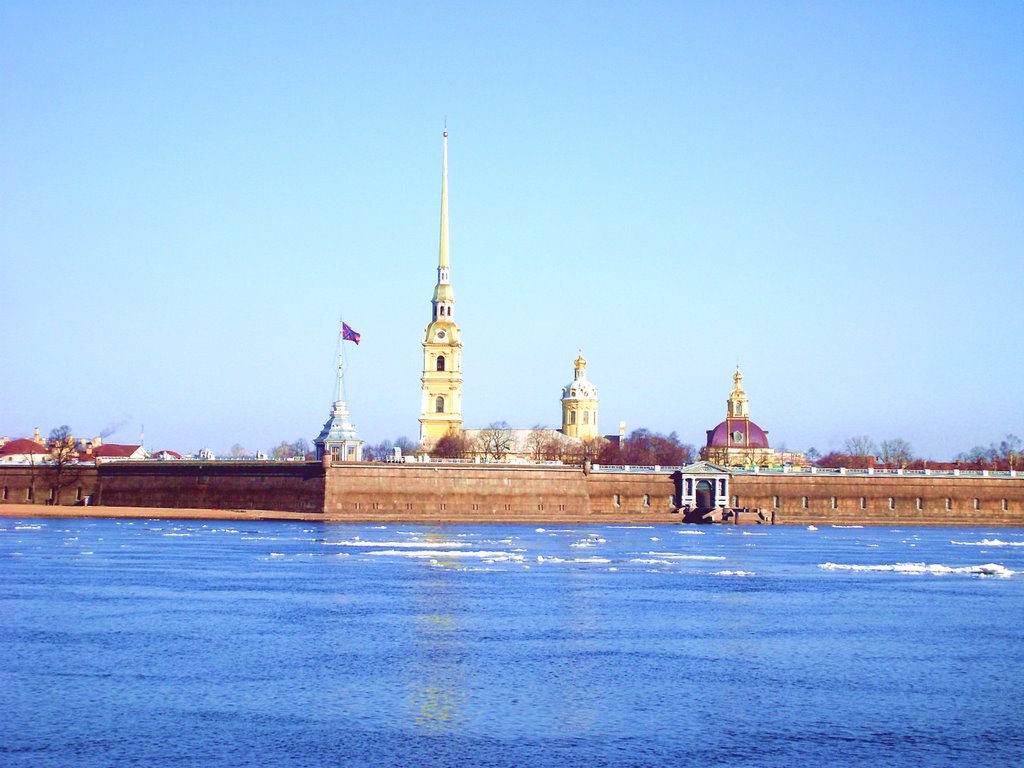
(441, 405)
(579, 404)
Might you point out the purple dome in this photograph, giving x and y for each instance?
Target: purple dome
(737, 433)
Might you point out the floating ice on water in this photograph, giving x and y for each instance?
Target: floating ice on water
(935, 569)
(28, 527)
(650, 561)
(989, 543)
(847, 526)
(655, 538)
(399, 544)
(674, 556)
(733, 573)
(439, 554)
(691, 533)
(812, 527)
(277, 554)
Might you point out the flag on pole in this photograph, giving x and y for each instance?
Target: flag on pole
(347, 334)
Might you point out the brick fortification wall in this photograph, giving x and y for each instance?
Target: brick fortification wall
(884, 500)
(527, 494)
(280, 485)
(455, 493)
(37, 484)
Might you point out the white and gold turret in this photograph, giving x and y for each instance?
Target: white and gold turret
(441, 405)
(579, 404)
(736, 405)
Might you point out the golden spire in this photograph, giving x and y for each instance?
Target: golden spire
(442, 261)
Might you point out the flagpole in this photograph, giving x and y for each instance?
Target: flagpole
(341, 356)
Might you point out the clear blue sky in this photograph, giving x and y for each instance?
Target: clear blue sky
(830, 194)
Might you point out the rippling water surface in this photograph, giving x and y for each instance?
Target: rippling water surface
(175, 643)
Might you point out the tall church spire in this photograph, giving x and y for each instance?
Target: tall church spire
(444, 297)
(442, 261)
(441, 404)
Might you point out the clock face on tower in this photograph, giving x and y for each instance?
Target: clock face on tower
(440, 335)
(737, 436)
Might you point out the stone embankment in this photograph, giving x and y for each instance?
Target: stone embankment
(461, 493)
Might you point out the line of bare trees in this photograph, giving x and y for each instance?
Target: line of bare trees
(861, 452)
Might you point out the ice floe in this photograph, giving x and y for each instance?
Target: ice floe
(733, 573)
(675, 556)
(441, 554)
(989, 543)
(400, 544)
(935, 569)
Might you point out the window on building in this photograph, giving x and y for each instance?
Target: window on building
(834, 502)
(5, 493)
(572, 417)
(439, 405)
(949, 504)
(1006, 505)
(28, 493)
(78, 494)
(863, 502)
(977, 504)
(440, 362)
(803, 502)
(586, 417)
(735, 501)
(616, 500)
(647, 499)
(892, 503)
(918, 504)
(53, 493)
(775, 502)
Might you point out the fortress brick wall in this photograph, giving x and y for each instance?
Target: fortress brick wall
(439, 493)
(456, 493)
(37, 484)
(279, 485)
(915, 499)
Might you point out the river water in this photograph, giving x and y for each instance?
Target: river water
(155, 642)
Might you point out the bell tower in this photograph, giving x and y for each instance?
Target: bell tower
(737, 403)
(441, 405)
(579, 404)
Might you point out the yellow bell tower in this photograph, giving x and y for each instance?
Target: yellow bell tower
(441, 406)
(579, 404)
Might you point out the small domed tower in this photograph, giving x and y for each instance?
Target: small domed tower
(579, 404)
(737, 403)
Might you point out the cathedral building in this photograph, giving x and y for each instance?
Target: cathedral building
(441, 403)
(738, 441)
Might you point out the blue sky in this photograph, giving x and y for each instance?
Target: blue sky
(830, 194)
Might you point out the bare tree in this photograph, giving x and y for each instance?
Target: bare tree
(861, 445)
(496, 440)
(407, 446)
(237, 450)
(1010, 448)
(896, 452)
(63, 454)
(379, 451)
(537, 441)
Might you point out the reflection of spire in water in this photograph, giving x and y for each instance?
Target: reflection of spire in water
(436, 695)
